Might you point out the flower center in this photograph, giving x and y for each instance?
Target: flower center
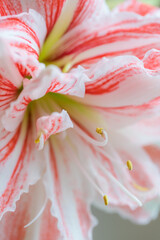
(52, 41)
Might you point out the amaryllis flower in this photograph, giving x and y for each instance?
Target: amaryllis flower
(80, 106)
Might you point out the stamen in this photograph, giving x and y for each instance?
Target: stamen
(97, 188)
(37, 140)
(86, 174)
(125, 190)
(91, 140)
(40, 141)
(105, 200)
(129, 165)
(38, 215)
(103, 133)
(67, 67)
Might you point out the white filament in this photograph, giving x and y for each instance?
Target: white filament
(91, 140)
(116, 164)
(125, 190)
(38, 215)
(87, 175)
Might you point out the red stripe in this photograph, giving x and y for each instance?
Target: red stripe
(8, 148)
(110, 82)
(19, 173)
(57, 189)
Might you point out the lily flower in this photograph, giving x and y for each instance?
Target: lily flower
(79, 111)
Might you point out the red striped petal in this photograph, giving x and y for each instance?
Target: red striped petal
(49, 9)
(137, 7)
(10, 79)
(124, 187)
(67, 193)
(88, 10)
(12, 224)
(24, 39)
(49, 226)
(124, 90)
(8, 92)
(121, 82)
(50, 79)
(117, 34)
(49, 125)
(29, 205)
(20, 165)
(73, 15)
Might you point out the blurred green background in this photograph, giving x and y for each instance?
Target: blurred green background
(113, 3)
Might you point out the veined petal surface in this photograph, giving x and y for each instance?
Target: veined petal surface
(49, 125)
(137, 7)
(50, 79)
(121, 33)
(10, 78)
(20, 164)
(52, 9)
(121, 93)
(24, 38)
(65, 186)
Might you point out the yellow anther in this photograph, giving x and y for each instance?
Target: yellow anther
(38, 138)
(105, 200)
(99, 131)
(67, 67)
(129, 165)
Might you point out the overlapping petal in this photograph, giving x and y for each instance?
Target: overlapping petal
(20, 164)
(144, 132)
(24, 35)
(118, 34)
(48, 9)
(137, 7)
(144, 178)
(52, 9)
(153, 151)
(27, 208)
(52, 124)
(121, 81)
(125, 189)
(114, 98)
(69, 196)
(12, 223)
(10, 78)
(141, 215)
(50, 79)
(73, 16)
